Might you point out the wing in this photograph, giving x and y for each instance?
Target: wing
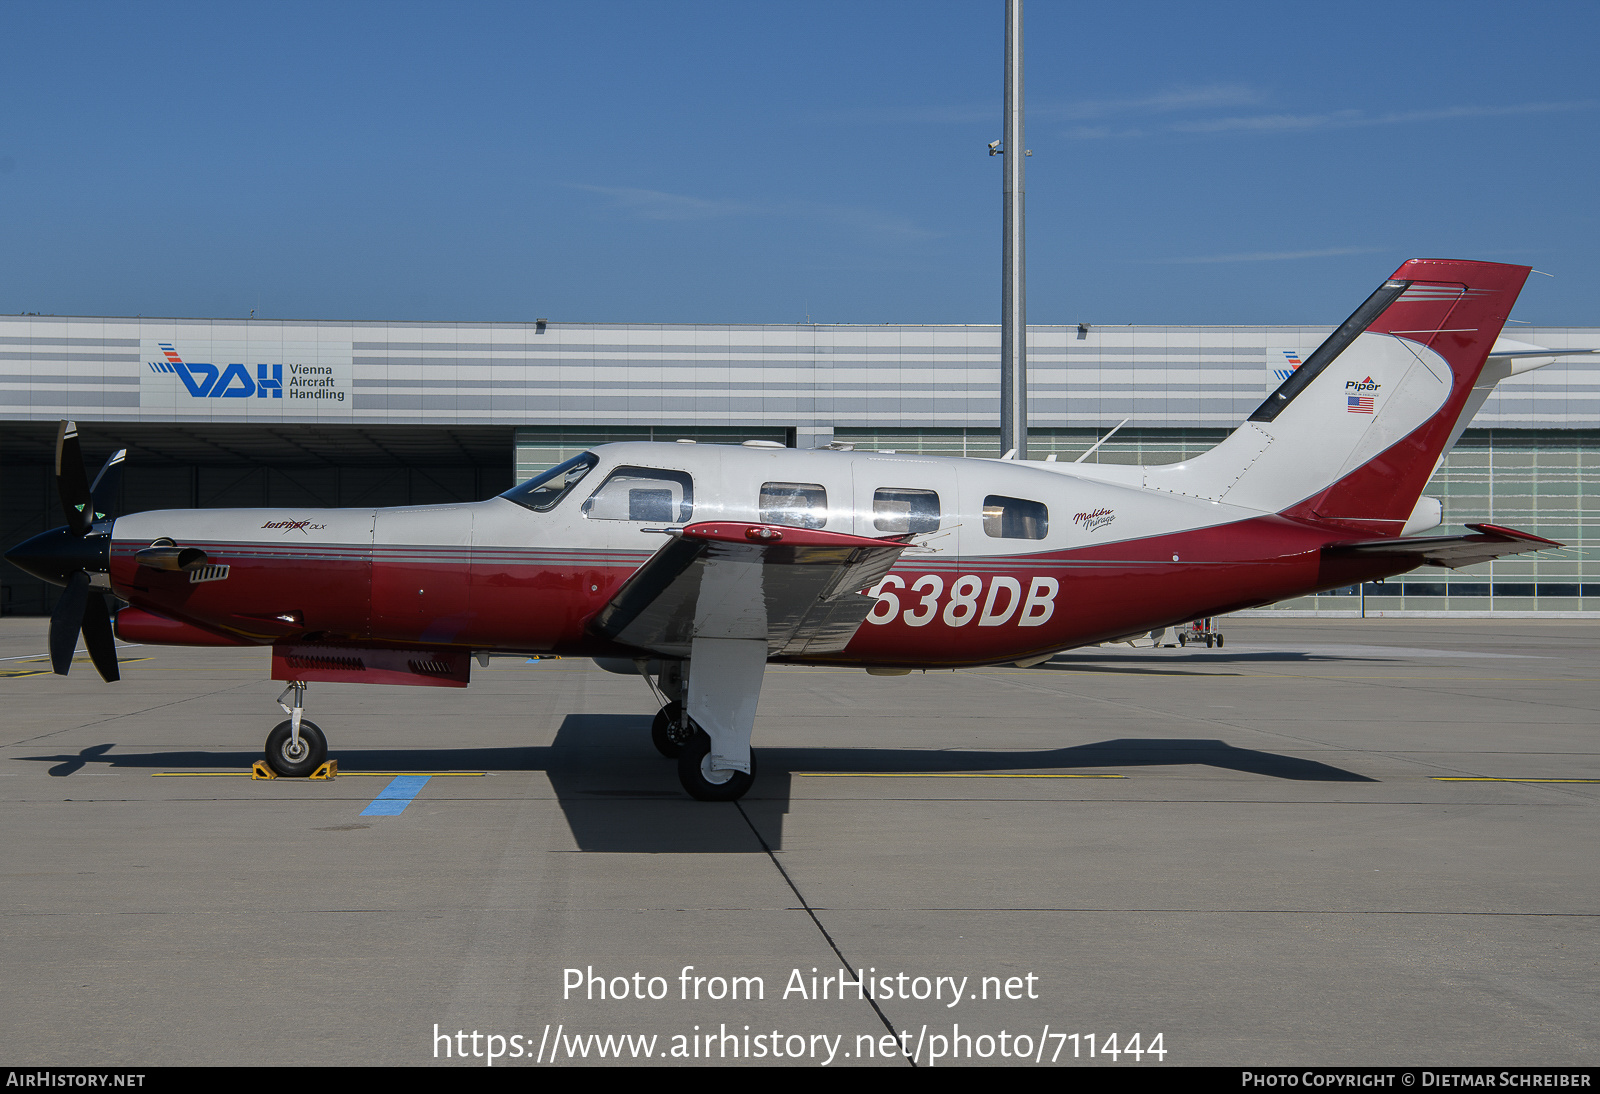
(797, 588)
(1453, 552)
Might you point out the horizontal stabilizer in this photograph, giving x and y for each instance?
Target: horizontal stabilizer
(1453, 552)
(799, 589)
(1537, 351)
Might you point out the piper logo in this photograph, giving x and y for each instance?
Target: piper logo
(206, 381)
(1360, 403)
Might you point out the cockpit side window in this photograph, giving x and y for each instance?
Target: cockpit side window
(795, 504)
(643, 494)
(544, 491)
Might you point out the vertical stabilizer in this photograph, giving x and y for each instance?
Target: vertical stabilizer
(1351, 437)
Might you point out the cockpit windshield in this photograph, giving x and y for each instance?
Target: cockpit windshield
(544, 491)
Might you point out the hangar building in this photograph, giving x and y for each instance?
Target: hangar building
(254, 412)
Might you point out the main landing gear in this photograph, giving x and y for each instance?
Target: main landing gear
(727, 687)
(671, 730)
(704, 782)
(296, 747)
(677, 737)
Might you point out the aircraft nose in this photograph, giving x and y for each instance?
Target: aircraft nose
(54, 556)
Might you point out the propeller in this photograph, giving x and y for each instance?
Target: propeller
(107, 484)
(73, 555)
(81, 609)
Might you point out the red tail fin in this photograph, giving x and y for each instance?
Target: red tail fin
(1456, 309)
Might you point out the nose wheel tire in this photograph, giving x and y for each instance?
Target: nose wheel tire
(671, 730)
(694, 772)
(293, 760)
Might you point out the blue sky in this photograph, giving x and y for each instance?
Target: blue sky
(697, 162)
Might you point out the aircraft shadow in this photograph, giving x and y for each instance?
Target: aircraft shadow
(1192, 664)
(619, 796)
(1125, 753)
(1209, 657)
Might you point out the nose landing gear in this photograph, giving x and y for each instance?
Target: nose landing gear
(295, 747)
(296, 755)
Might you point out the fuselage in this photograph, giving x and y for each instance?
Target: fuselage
(1007, 560)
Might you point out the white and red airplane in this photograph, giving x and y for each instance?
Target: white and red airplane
(697, 565)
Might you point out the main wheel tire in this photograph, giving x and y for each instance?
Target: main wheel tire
(671, 730)
(694, 772)
(296, 763)
(1219, 641)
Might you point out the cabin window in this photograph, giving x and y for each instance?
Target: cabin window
(795, 504)
(643, 494)
(544, 491)
(1014, 518)
(901, 510)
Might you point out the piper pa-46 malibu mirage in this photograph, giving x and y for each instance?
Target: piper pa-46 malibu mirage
(697, 565)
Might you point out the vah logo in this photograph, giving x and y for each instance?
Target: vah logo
(1291, 364)
(206, 381)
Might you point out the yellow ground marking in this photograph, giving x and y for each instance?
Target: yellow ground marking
(342, 774)
(79, 659)
(1241, 672)
(20, 670)
(941, 775)
(1245, 672)
(201, 671)
(1489, 779)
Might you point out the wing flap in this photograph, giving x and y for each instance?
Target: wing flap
(797, 588)
(1451, 552)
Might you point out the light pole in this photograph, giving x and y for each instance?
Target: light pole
(1013, 277)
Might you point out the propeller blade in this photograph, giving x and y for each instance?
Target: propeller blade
(97, 637)
(108, 486)
(67, 621)
(71, 482)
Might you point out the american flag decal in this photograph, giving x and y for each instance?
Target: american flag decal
(1359, 404)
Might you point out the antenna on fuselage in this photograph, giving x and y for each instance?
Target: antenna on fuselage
(1102, 440)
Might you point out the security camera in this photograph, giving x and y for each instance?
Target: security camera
(994, 149)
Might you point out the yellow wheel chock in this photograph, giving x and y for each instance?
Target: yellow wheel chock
(329, 770)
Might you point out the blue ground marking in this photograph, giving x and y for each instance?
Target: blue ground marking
(393, 799)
